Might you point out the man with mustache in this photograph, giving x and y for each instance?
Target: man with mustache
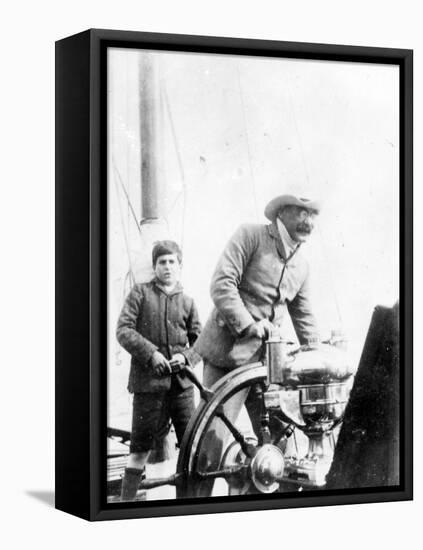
(261, 276)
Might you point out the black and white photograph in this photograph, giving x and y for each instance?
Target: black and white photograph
(253, 276)
(210, 242)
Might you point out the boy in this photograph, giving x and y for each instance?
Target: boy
(158, 323)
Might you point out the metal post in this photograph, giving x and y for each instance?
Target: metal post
(153, 225)
(149, 106)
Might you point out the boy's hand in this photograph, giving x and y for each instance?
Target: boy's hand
(180, 357)
(160, 364)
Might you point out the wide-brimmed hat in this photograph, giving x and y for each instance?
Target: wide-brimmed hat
(277, 203)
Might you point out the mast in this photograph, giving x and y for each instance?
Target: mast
(153, 225)
(149, 120)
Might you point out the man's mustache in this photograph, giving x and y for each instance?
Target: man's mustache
(302, 228)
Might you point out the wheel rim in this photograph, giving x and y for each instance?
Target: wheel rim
(200, 451)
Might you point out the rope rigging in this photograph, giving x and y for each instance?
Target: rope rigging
(129, 279)
(115, 168)
(125, 236)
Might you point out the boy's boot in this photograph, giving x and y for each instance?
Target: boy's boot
(130, 483)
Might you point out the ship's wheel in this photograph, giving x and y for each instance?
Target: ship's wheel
(222, 451)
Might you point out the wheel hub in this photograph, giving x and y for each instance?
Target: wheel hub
(267, 468)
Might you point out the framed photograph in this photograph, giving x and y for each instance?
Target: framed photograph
(234, 274)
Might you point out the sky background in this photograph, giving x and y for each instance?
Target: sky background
(233, 132)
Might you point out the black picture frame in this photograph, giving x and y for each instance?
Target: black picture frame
(81, 256)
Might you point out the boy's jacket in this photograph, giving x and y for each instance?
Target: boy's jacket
(152, 320)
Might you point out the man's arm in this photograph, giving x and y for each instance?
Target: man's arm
(302, 316)
(227, 277)
(193, 324)
(128, 337)
(193, 332)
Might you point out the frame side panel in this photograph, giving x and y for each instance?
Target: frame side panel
(72, 274)
(406, 274)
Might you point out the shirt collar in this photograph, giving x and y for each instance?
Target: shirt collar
(175, 290)
(288, 242)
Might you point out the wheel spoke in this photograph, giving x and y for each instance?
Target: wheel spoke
(160, 481)
(248, 449)
(224, 473)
